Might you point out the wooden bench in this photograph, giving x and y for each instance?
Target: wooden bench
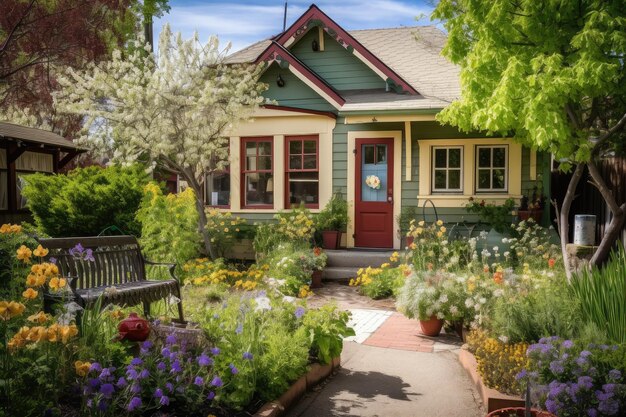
(117, 272)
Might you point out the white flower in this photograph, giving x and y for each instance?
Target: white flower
(498, 293)
(262, 304)
(469, 302)
(507, 254)
(289, 299)
(482, 300)
(443, 298)
(505, 240)
(495, 248)
(476, 307)
(454, 310)
(440, 315)
(504, 339)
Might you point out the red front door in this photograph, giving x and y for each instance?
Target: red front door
(373, 222)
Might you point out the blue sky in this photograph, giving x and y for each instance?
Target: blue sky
(243, 22)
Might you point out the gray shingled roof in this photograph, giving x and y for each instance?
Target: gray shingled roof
(414, 53)
(30, 134)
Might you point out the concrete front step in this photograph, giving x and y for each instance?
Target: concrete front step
(357, 258)
(339, 274)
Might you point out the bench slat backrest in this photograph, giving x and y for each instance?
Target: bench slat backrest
(117, 260)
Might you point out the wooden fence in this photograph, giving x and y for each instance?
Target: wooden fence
(588, 199)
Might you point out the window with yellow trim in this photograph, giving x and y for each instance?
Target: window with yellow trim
(447, 169)
(491, 168)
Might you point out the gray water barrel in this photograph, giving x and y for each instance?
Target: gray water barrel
(585, 229)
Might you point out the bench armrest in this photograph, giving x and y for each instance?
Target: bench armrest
(171, 266)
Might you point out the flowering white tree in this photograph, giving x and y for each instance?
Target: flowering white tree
(172, 110)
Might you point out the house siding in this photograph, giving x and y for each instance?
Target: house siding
(336, 65)
(295, 93)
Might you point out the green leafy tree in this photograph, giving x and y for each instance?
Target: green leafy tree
(549, 73)
(86, 201)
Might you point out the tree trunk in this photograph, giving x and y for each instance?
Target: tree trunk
(202, 220)
(617, 221)
(564, 218)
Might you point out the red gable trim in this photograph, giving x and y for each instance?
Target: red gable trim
(313, 14)
(276, 52)
(299, 110)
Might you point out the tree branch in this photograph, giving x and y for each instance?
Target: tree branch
(607, 135)
(18, 24)
(564, 219)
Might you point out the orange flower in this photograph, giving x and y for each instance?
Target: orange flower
(10, 309)
(30, 294)
(498, 277)
(40, 317)
(24, 254)
(40, 252)
(551, 262)
(82, 368)
(486, 268)
(56, 284)
(317, 251)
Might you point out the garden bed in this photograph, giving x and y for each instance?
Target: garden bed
(491, 398)
(316, 374)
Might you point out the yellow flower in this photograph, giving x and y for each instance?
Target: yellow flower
(82, 368)
(420, 223)
(10, 228)
(24, 254)
(226, 230)
(439, 223)
(56, 284)
(40, 317)
(439, 234)
(442, 229)
(10, 309)
(30, 294)
(385, 265)
(413, 246)
(40, 252)
(67, 332)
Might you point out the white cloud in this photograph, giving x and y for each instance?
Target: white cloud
(242, 24)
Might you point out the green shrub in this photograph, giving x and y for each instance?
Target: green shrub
(169, 226)
(294, 226)
(546, 309)
(327, 326)
(294, 265)
(86, 200)
(334, 216)
(602, 295)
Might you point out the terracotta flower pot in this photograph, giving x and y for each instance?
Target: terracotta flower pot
(536, 215)
(331, 239)
(316, 279)
(431, 327)
(409, 240)
(518, 411)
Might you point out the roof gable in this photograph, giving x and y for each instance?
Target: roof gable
(314, 17)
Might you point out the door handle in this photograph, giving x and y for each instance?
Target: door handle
(390, 199)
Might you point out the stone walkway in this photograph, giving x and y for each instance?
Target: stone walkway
(390, 369)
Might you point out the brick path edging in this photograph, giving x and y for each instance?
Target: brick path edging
(317, 373)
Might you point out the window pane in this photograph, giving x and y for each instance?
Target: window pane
(454, 158)
(441, 156)
(250, 148)
(454, 179)
(295, 162)
(295, 146)
(259, 189)
(483, 178)
(310, 161)
(303, 190)
(368, 154)
(440, 179)
(381, 154)
(251, 163)
(499, 157)
(310, 146)
(265, 162)
(218, 189)
(484, 157)
(498, 179)
(304, 176)
(265, 148)
(4, 191)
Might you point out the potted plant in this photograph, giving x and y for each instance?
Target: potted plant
(319, 262)
(332, 220)
(424, 296)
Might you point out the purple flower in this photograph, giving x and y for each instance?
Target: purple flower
(300, 311)
(121, 383)
(204, 360)
(102, 405)
(522, 374)
(215, 351)
(134, 403)
(93, 383)
(615, 375)
(216, 316)
(165, 400)
(77, 250)
(585, 382)
(176, 367)
(170, 340)
(239, 329)
(136, 361)
(165, 352)
(107, 390)
(217, 382)
(131, 374)
(89, 255)
(105, 374)
(557, 367)
(585, 354)
(568, 344)
(135, 388)
(147, 344)
(592, 412)
(90, 403)
(161, 366)
(169, 386)
(210, 396)
(95, 367)
(233, 369)
(52, 260)
(198, 381)
(144, 374)
(158, 393)
(247, 355)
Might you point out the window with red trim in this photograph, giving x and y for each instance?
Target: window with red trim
(257, 178)
(302, 174)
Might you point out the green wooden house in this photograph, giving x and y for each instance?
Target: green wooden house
(354, 112)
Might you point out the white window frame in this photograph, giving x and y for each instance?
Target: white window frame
(447, 169)
(491, 168)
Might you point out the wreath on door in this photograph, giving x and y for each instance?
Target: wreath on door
(373, 182)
